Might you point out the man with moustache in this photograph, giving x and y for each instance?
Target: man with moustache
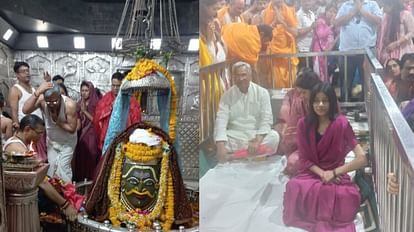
(104, 109)
(61, 122)
(244, 119)
(18, 95)
(20, 92)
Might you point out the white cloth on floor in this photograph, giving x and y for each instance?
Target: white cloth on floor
(246, 196)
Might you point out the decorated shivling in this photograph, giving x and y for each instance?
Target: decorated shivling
(139, 184)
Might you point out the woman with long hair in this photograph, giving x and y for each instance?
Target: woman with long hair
(397, 31)
(294, 107)
(324, 40)
(87, 154)
(393, 74)
(322, 196)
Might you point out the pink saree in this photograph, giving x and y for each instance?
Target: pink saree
(293, 108)
(310, 204)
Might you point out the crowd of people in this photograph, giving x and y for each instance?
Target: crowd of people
(68, 135)
(227, 33)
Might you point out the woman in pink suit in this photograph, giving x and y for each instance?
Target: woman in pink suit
(322, 196)
(324, 40)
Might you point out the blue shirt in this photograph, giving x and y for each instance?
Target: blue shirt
(358, 33)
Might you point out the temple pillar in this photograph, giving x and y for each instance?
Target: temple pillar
(21, 198)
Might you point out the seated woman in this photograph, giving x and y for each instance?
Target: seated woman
(322, 196)
(294, 107)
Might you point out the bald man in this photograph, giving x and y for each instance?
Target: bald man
(61, 121)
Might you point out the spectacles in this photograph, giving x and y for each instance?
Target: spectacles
(39, 132)
(24, 71)
(52, 102)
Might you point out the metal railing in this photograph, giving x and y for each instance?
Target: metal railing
(391, 139)
(392, 146)
(214, 78)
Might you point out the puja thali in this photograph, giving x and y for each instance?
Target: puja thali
(21, 161)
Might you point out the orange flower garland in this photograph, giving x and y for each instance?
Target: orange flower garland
(164, 207)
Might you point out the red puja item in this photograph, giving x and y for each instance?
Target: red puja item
(243, 153)
(69, 192)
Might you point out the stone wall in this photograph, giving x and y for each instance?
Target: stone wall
(98, 68)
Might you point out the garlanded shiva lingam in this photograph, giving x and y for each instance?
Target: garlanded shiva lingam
(139, 181)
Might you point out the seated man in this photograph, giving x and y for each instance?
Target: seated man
(31, 128)
(248, 188)
(244, 119)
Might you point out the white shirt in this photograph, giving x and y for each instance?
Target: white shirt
(305, 20)
(56, 133)
(25, 96)
(243, 116)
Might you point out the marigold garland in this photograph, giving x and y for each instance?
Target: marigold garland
(141, 152)
(164, 207)
(145, 67)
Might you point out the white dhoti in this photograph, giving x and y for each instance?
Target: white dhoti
(244, 196)
(60, 158)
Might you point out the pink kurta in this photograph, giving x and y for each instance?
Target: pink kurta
(310, 204)
(293, 108)
(406, 30)
(322, 40)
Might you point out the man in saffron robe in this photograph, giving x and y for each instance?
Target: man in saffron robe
(231, 13)
(322, 196)
(284, 22)
(104, 110)
(251, 15)
(244, 42)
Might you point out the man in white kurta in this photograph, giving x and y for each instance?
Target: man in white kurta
(239, 194)
(244, 119)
